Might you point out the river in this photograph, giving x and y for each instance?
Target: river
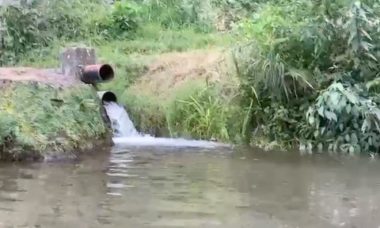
(168, 187)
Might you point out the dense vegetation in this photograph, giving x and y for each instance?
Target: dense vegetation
(38, 120)
(308, 71)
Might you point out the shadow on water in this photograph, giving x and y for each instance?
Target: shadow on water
(140, 186)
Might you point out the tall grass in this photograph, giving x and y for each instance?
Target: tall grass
(206, 112)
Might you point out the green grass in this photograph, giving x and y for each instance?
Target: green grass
(38, 119)
(149, 39)
(131, 58)
(206, 111)
(147, 113)
(194, 110)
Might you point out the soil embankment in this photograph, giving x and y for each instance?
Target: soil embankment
(171, 71)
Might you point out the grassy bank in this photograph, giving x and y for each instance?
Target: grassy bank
(38, 121)
(296, 73)
(132, 59)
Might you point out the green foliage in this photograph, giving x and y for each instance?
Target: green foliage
(265, 75)
(176, 14)
(312, 69)
(41, 118)
(25, 28)
(7, 128)
(21, 33)
(345, 118)
(147, 114)
(122, 21)
(308, 70)
(203, 112)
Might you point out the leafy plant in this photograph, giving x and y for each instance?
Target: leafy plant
(345, 119)
(313, 50)
(123, 20)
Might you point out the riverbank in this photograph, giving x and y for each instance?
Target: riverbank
(297, 75)
(189, 94)
(42, 121)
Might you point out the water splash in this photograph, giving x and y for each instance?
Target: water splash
(122, 125)
(125, 133)
(148, 140)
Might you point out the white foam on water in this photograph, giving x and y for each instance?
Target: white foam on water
(165, 142)
(125, 133)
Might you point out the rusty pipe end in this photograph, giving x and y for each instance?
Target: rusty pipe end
(97, 73)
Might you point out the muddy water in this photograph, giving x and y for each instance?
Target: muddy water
(147, 187)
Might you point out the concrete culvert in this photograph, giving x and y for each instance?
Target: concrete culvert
(107, 96)
(106, 72)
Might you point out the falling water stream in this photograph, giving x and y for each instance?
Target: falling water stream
(122, 125)
(125, 132)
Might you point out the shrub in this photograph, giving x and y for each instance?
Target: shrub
(122, 21)
(307, 65)
(27, 27)
(345, 118)
(21, 33)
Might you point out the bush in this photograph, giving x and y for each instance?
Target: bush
(345, 118)
(306, 66)
(33, 26)
(122, 21)
(21, 33)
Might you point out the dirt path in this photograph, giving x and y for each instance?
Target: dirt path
(48, 76)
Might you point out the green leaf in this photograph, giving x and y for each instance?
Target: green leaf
(353, 98)
(365, 33)
(334, 98)
(348, 108)
(347, 138)
(354, 138)
(371, 56)
(321, 111)
(311, 120)
(331, 116)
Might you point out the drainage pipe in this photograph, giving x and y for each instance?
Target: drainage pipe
(92, 74)
(107, 96)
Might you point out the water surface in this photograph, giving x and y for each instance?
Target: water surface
(168, 187)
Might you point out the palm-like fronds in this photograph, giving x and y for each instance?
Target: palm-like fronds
(270, 76)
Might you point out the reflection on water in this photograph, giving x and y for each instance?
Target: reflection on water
(147, 187)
